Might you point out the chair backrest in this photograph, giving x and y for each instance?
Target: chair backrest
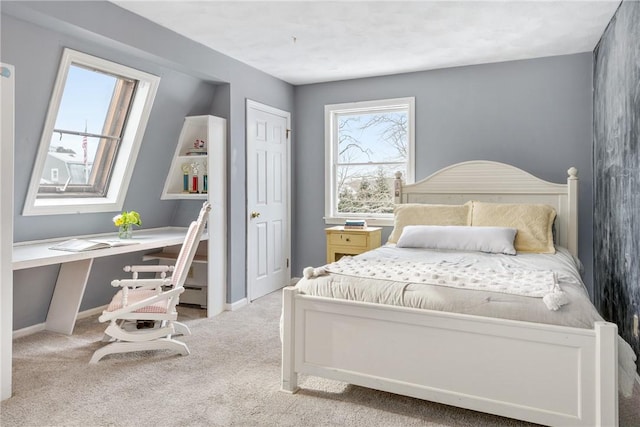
(189, 247)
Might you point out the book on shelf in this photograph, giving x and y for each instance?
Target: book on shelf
(354, 227)
(196, 153)
(81, 245)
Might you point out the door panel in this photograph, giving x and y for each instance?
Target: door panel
(261, 243)
(261, 178)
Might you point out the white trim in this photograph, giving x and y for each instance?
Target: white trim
(92, 312)
(7, 106)
(236, 305)
(330, 116)
(30, 330)
(127, 152)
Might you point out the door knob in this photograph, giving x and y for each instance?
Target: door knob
(255, 214)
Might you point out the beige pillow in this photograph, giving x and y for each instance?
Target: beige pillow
(533, 222)
(425, 214)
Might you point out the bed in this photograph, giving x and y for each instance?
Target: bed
(533, 369)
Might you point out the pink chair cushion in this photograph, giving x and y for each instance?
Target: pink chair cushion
(136, 295)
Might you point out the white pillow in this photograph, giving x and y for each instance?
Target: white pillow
(464, 238)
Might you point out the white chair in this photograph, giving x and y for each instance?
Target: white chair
(151, 303)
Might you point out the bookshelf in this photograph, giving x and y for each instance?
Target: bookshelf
(202, 142)
(196, 154)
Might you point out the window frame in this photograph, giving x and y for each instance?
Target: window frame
(331, 113)
(124, 162)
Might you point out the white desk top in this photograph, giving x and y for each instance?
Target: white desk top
(37, 253)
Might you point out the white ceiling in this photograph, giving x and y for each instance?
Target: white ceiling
(315, 41)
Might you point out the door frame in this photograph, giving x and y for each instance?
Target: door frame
(287, 249)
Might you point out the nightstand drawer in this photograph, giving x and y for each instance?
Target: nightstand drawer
(348, 239)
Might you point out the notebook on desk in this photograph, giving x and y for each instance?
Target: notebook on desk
(80, 245)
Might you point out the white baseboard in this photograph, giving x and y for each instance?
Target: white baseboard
(29, 330)
(92, 312)
(236, 305)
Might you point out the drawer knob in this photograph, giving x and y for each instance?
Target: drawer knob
(348, 239)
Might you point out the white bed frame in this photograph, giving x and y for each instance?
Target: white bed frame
(541, 373)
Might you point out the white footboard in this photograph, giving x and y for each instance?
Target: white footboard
(540, 373)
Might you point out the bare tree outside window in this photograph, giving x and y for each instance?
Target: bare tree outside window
(371, 149)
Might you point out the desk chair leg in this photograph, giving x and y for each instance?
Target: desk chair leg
(126, 347)
(181, 329)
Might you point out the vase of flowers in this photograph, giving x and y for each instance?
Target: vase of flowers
(125, 222)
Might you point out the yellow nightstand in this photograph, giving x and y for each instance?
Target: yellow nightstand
(342, 242)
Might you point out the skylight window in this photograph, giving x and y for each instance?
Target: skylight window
(94, 127)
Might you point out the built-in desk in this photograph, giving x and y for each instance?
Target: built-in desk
(75, 267)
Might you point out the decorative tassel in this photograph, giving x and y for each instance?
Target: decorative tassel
(310, 272)
(555, 300)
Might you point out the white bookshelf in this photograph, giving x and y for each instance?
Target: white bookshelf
(211, 130)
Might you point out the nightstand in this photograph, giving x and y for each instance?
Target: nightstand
(342, 242)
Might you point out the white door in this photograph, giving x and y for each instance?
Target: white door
(268, 229)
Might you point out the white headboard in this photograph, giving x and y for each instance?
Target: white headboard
(488, 181)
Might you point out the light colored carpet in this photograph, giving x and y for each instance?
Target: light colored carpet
(231, 378)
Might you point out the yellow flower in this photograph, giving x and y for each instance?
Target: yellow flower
(131, 217)
(118, 220)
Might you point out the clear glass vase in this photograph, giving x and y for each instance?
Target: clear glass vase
(125, 231)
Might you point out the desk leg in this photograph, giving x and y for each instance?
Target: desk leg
(67, 296)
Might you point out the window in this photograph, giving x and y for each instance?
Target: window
(366, 144)
(92, 134)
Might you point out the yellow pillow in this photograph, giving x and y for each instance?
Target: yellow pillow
(534, 223)
(425, 214)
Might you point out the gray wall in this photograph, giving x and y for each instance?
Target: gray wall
(195, 80)
(534, 114)
(617, 171)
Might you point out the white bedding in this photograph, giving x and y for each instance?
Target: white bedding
(513, 280)
(578, 312)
